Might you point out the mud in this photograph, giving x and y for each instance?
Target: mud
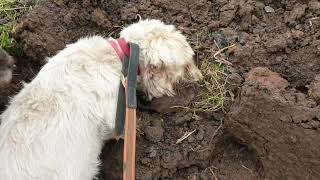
(283, 133)
(260, 139)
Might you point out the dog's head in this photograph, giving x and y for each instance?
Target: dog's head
(166, 58)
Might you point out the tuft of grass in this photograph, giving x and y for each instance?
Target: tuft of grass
(215, 90)
(215, 87)
(10, 10)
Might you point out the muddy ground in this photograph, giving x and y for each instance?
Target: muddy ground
(270, 131)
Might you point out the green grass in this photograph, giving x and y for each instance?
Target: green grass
(215, 90)
(215, 87)
(10, 10)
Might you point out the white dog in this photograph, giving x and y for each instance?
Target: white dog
(55, 127)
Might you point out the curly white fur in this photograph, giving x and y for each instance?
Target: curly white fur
(55, 127)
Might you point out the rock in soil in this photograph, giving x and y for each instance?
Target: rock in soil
(284, 135)
(262, 76)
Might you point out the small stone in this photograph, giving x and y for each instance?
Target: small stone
(293, 139)
(58, 2)
(145, 161)
(191, 139)
(279, 59)
(153, 154)
(200, 135)
(221, 40)
(269, 9)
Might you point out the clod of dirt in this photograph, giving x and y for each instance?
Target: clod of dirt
(154, 134)
(283, 134)
(296, 34)
(167, 104)
(183, 118)
(195, 155)
(262, 76)
(100, 18)
(297, 12)
(314, 5)
(277, 44)
(314, 89)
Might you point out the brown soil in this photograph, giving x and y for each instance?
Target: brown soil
(279, 126)
(271, 130)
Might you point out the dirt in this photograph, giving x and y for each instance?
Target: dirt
(314, 89)
(282, 132)
(271, 131)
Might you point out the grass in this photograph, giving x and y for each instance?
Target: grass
(215, 90)
(215, 87)
(10, 10)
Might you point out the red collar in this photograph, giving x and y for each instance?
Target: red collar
(121, 46)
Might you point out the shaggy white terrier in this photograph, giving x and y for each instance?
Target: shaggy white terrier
(55, 127)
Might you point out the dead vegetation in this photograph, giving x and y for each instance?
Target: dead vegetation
(215, 90)
(11, 10)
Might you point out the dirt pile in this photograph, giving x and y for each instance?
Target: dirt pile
(281, 35)
(280, 126)
(279, 39)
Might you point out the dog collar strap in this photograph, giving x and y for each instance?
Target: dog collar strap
(126, 118)
(129, 70)
(121, 47)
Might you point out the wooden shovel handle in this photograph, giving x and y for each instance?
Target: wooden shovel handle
(129, 156)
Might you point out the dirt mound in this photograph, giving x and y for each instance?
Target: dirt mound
(280, 35)
(278, 127)
(201, 155)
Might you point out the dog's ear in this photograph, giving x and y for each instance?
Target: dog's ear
(167, 61)
(167, 47)
(166, 57)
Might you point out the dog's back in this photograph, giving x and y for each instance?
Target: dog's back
(49, 131)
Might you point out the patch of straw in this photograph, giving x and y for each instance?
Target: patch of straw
(215, 87)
